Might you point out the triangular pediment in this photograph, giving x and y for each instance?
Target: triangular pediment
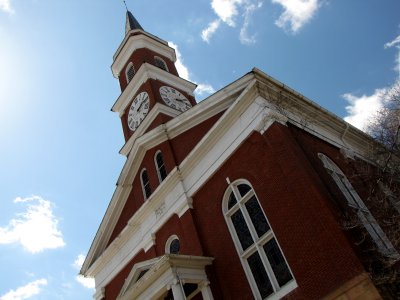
(136, 274)
(151, 277)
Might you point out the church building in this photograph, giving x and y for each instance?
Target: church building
(235, 197)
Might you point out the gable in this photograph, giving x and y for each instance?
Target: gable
(247, 105)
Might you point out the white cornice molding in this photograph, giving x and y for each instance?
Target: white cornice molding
(137, 39)
(156, 110)
(148, 71)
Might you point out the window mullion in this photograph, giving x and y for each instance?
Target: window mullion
(249, 223)
(268, 268)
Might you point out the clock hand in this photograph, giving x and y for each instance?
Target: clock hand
(140, 106)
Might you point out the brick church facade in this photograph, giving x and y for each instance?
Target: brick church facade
(236, 197)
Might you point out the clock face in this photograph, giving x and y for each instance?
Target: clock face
(138, 111)
(174, 98)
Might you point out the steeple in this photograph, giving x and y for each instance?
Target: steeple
(131, 23)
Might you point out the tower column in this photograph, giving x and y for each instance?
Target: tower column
(177, 290)
(206, 290)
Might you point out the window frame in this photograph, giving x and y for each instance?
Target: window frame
(143, 184)
(373, 228)
(169, 242)
(258, 242)
(129, 67)
(160, 179)
(157, 58)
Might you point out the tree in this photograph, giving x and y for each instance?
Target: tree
(384, 196)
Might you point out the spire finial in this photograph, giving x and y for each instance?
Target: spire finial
(131, 22)
(126, 6)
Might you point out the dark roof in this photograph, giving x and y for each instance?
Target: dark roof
(131, 22)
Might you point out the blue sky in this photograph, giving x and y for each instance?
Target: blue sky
(59, 142)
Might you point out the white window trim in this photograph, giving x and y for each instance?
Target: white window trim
(141, 181)
(279, 292)
(157, 168)
(127, 70)
(169, 241)
(353, 199)
(163, 61)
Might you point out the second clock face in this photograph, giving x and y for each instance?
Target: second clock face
(138, 111)
(174, 98)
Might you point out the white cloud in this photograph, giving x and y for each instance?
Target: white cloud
(244, 36)
(180, 67)
(5, 5)
(79, 261)
(296, 13)
(183, 71)
(35, 229)
(227, 12)
(395, 43)
(210, 30)
(87, 282)
(204, 89)
(25, 292)
(363, 108)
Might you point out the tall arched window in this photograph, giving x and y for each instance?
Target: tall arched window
(159, 62)
(263, 262)
(159, 161)
(144, 178)
(363, 213)
(129, 72)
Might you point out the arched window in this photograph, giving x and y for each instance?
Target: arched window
(159, 62)
(263, 262)
(129, 72)
(144, 177)
(363, 213)
(159, 161)
(172, 246)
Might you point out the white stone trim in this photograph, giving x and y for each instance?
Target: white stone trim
(134, 42)
(169, 241)
(170, 271)
(148, 71)
(155, 111)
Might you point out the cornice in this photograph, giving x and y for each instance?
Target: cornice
(148, 71)
(137, 39)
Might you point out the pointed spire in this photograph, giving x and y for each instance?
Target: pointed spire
(131, 23)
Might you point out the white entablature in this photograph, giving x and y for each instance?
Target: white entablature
(137, 39)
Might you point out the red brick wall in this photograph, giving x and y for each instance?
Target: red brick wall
(185, 230)
(297, 206)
